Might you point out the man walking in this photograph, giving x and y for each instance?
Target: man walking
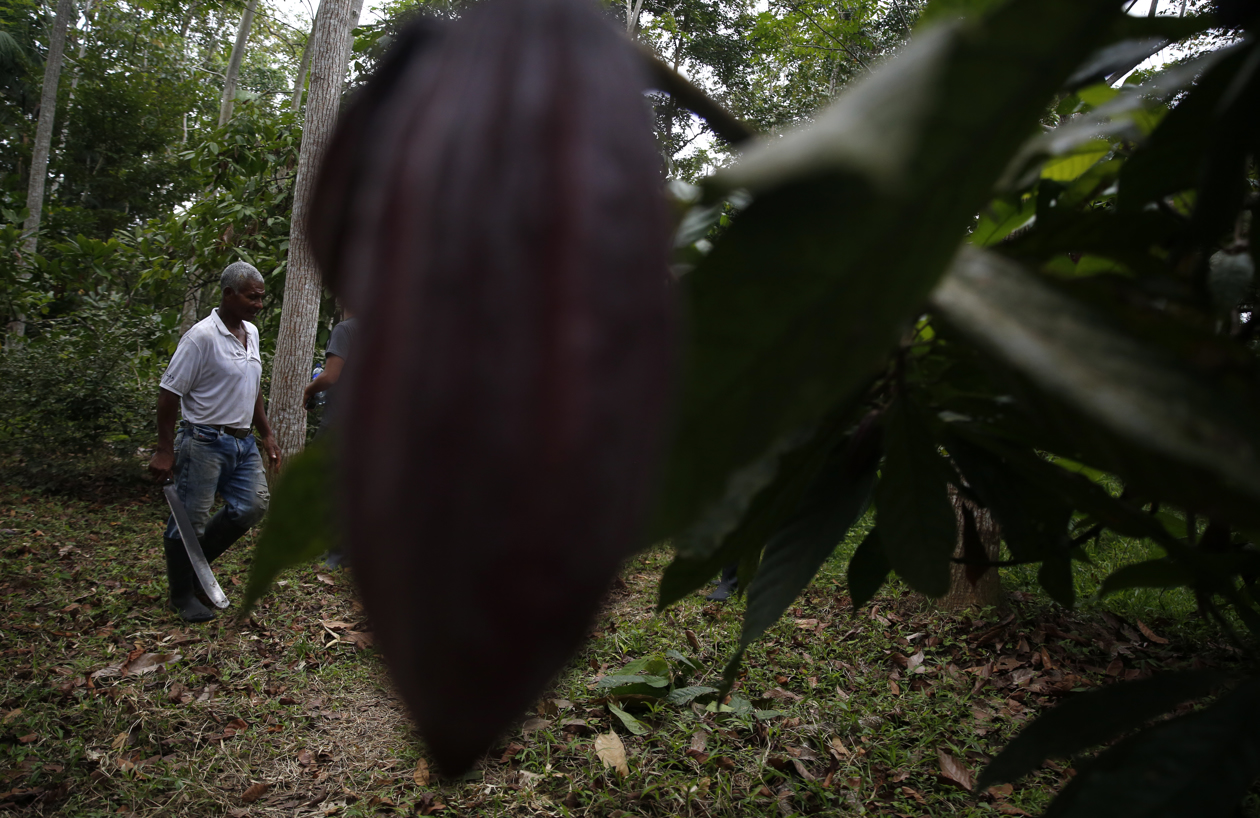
(213, 380)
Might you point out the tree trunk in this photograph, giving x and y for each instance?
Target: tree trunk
(295, 347)
(43, 139)
(234, 64)
(979, 539)
(299, 87)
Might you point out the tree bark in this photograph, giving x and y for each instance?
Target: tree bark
(234, 64)
(979, 538)
(44, 128)
(295, 347)
(299, 87)
(43, 139)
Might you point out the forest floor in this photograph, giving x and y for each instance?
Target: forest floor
(110, 705)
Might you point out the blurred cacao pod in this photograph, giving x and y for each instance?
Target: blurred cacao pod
(504, 236)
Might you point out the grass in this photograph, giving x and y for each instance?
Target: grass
(290, 713)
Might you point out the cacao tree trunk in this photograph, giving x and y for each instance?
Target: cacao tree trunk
(295, 347)
(234, 63)
(979, 538)
(43, 139)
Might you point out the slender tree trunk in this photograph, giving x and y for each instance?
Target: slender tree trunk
(43, 138)
(295, 347)
(234, 63)
(299, 87)
(979, 538)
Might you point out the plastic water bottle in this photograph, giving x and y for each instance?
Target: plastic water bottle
(320, 398)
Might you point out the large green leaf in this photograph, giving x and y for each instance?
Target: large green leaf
(1088, 719)
(868, 568)
(300, 524)
(1034, 522)
(1170, 161)
(839, 496)
(1168, 429)
(757, 501)
(916, 520)
(1161, 573)
(1197, 765)
(855, 219)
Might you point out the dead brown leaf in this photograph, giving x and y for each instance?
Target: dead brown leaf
(148, 662)
(254, 792)
(534, 725)
(1150, 634)
(612, 752)
(324, 578)
(955, 771)
(421, 774)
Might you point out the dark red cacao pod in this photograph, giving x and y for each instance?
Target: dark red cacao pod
(506, 246)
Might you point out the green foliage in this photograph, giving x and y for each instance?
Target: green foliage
(77, 388)
(1086, 366)
(301, 525)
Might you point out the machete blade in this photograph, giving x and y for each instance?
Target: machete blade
(201, 567)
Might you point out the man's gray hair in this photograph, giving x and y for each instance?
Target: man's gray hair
(237, 274)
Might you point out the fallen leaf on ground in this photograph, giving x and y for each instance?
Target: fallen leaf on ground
(612, 752)
(955, 771)
(421, 775)
(780, 693)
(254, 792)
(147, 662)
(324, 578)
(1001, 790)
(1150, 634)
(534, 725)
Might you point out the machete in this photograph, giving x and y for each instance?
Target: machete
(201, 567)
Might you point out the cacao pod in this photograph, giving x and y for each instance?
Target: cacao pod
(506, 244)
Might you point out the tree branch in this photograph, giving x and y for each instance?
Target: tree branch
(723, 123)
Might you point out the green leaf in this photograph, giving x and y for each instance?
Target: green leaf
(916, 521)
(300, 525)
(1070, 165)
(1170, 160)
(839, 496)
(686, 695)
(788, 318)
(682, 660)
(619, 679)
(1165, 427)
(1055, 576)
(1088, 719)
(868, 568)
(1160, 573)
(757, 501)
(1192, 766)
(1002, 217)
(632, 724)
(1034, 522)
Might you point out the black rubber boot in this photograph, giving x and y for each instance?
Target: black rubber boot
(179, 575)
(220, 534)
(727, 585)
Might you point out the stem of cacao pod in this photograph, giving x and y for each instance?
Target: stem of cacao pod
(722, 121)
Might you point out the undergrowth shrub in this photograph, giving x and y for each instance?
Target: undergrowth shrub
(77, 395)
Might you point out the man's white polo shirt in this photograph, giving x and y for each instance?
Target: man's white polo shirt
(216, 378)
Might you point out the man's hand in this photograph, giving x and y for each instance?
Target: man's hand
(272, 451)
(309, 392)
(162, 465)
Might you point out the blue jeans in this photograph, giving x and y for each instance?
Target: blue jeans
(207, 462)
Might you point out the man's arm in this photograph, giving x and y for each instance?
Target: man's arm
(326, 379)
(265, 436)
(162, 464)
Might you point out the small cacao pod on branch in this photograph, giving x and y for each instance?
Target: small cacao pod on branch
(502, 232)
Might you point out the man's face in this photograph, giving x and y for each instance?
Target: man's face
(246, 303)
